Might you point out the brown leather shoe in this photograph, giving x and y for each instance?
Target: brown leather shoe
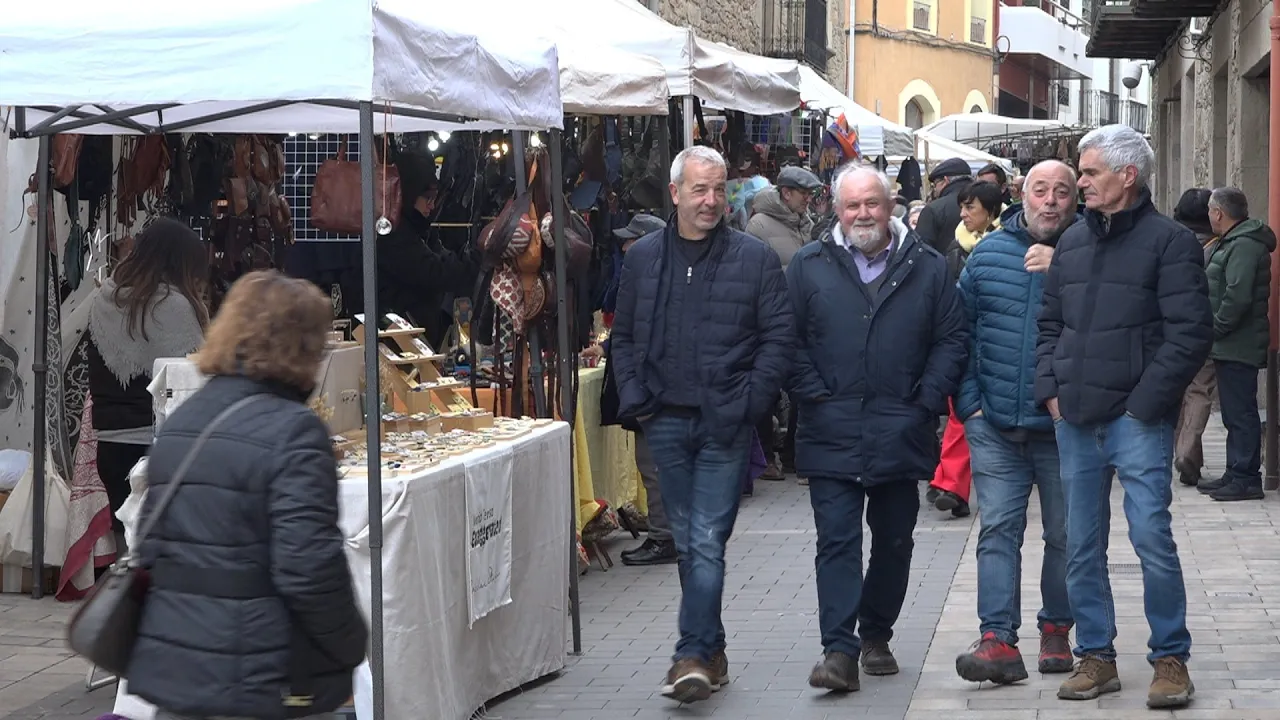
(1171, 687)
(719, 671)
(1092, 677)
(878, 659)
(688, 680)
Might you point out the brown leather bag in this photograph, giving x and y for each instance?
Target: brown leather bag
(66, 158)
(335, 199)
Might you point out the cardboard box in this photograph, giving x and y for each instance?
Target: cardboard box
(14, 579)
(466, 421)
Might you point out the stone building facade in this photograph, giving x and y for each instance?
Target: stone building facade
(1211, 105)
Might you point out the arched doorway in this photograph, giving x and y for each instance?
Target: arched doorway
(914, 114)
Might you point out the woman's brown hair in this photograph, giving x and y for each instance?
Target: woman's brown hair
(166, 256)
(270, 327)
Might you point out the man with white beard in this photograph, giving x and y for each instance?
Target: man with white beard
(882, 344)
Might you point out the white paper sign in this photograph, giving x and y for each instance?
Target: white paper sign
(488, 479)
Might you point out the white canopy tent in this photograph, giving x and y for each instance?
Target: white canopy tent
(932, 149)
(600, 79)
(162, 66)
(717, 74)
(147, 66)
(876, 135)
(974, 127)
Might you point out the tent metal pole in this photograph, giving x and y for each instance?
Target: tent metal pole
(517, 160)
(108, 118)
(566, 355)
(49, 121)
(40, 370)
(373, 405)
(664, 147)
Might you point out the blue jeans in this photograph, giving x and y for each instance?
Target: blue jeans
(1004, 471)
(701, 483)
(1142, 456)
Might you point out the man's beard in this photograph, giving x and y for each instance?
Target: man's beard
(865, 237)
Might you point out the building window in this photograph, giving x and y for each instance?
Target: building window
(914, 115)
(979, 14)
(975, 109)
(922, 15)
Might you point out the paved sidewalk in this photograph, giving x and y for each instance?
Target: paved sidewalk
(629, 624)
(1228, 551)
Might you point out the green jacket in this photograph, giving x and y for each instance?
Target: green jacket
(1239, 283)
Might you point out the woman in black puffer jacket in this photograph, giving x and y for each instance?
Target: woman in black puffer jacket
(251, 612)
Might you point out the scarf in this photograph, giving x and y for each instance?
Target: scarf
(172, 331)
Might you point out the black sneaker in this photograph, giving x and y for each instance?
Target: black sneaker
(961, 511)
(651, 552)
(948, 501)
(1238, 491)
(836, 672)
(932, 495)
(1208, 487)
(878, 659)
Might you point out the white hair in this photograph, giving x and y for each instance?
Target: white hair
(852, 169)
(697, 153)
(1121, 146)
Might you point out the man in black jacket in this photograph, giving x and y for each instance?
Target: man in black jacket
(1124, 328)
(701, 343)
(937, 223)
(881, 346)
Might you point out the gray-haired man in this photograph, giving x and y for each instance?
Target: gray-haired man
(1124, 328)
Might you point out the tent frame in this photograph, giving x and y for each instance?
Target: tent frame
(71, 118)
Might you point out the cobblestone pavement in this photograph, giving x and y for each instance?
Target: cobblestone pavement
(1228, 552)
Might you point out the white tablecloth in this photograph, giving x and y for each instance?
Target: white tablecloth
(435, 667)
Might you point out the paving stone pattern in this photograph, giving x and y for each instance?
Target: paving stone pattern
(1230, 554)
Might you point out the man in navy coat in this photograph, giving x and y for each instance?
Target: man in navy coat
(881, 345)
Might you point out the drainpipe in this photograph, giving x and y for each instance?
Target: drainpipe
(1271, 475)
(995, 58)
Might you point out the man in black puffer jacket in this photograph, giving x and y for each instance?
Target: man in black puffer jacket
(937, 223)
(1124, 328)
(701, 343)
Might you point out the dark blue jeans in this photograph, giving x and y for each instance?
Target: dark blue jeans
(1142, 455)
(1238, 393)
(1004, 472)
(846, 603)
(701, 482)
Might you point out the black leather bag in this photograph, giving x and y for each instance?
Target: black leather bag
(105, 626)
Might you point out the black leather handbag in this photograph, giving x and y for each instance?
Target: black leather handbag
(105, 626)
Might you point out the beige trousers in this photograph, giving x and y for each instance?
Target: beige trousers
(1197, 405)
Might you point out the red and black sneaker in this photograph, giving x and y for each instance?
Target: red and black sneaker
(1055, 649)
(991, 660)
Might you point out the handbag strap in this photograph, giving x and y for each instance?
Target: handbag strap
(178, 476)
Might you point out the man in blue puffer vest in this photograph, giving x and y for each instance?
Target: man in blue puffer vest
(1011, 441)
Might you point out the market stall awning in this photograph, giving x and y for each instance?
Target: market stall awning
(719, 75)
(933, 149)
(876, 135)
(976, 127)
(271, 66)
(603, 80)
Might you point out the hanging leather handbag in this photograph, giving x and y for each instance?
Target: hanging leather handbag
(105, 626)
(335, 198)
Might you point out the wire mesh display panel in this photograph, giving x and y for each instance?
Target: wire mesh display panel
(302, 157)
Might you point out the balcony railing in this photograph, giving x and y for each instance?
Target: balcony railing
(1099, 107)
(1058, 12)
(1135, 115)
(797, 30)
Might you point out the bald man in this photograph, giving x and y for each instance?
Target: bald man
(1011, 441)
